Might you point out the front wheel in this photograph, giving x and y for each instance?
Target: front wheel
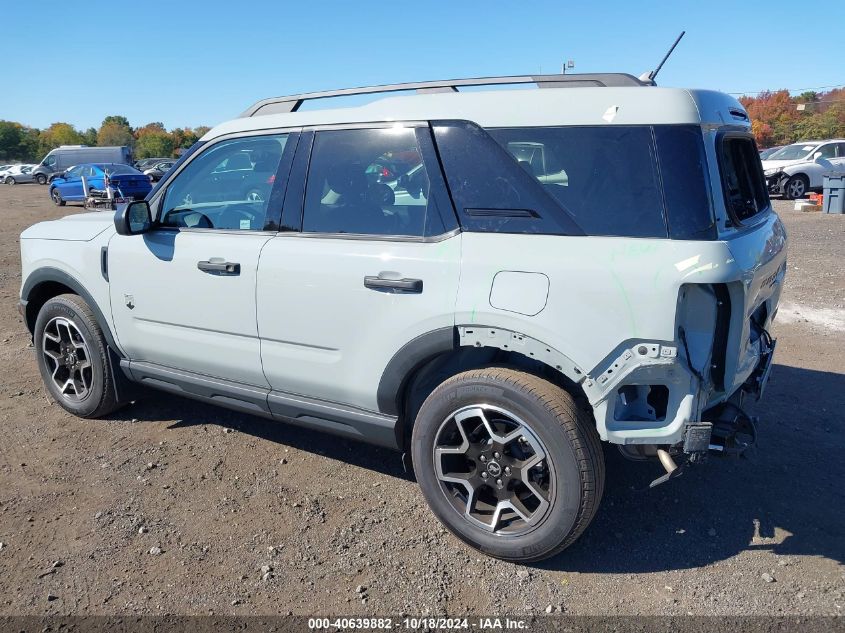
(73, 357)
(41, 179)
(796, 187)
(57, 197)
(508, 463)
(9, 180)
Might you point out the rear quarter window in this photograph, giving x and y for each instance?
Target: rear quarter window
(605, 177)
(629, 181)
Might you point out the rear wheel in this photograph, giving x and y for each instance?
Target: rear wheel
(796, 187)
(57, 197)
(41, 179)
(508, 463)
(73, 357)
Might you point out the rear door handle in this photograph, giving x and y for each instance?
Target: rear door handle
(219, 267)
(407, 286)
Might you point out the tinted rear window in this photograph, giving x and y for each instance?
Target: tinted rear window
(683, 171)
(631, 181)
(606, 177)
(120, 169)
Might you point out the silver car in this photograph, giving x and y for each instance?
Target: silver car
(18, 174)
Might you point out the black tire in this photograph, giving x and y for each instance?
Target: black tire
(41, 179)
(99, 397)
(568, 438)
(796, 187)
(56, 197)
(9, 180)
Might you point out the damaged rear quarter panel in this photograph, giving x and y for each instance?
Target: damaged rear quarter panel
(607, 295)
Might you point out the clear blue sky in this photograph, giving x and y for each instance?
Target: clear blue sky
(189, 63)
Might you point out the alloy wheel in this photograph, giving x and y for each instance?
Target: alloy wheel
(68, 359)
(494, 470)
(796, 188)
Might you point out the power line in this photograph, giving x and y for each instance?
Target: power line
(748, 92)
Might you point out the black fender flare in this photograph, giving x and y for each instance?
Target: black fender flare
(49, 274)
(409, 358)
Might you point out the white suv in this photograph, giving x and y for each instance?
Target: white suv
(795, 170)
(491, 281)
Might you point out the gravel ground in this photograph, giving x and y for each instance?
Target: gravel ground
(175, 507)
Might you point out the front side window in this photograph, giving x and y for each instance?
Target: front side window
(228, 186)
(742, 177)
(367, 182)
(50, 161)
(827, 151)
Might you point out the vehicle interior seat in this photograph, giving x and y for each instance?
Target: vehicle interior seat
(356, 209)
(238, 161)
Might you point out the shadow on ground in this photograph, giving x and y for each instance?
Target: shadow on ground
(788, 498)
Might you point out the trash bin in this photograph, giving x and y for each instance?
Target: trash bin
(834, 192)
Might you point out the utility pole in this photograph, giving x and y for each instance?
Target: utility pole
(567, 64)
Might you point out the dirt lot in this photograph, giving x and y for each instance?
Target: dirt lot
(346, 532)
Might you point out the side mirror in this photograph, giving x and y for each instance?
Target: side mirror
(817, 157)
(133, 219)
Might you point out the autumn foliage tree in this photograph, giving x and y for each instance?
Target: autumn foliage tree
(777, 120)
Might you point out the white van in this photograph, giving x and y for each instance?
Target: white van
(61, 158)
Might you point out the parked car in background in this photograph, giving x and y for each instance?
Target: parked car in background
(157, 171)
(148, 163)
(129, 182)
(5, 168)
(66, 156)
(765, 153)
(18, 174)
(795, 170)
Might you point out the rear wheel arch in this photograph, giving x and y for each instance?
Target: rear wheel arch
(420, 366)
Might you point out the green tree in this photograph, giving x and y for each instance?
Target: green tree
(154, 143)
(10, 140)
(90, 137)
(58, 134)
(114, 133)
(122, 121)
(30, 145)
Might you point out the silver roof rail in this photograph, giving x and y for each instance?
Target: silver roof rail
(292, 103)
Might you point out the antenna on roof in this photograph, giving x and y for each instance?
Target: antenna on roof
(650, 76)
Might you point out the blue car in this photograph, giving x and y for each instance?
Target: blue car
(126, 180)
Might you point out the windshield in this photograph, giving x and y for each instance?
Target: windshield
(793, 152)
